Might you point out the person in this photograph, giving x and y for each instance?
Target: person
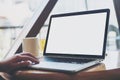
(17, 61)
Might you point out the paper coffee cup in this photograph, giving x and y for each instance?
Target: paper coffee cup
(31, 45)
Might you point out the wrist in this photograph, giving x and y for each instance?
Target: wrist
(2, 66)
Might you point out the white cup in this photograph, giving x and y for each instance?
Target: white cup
(31, 45)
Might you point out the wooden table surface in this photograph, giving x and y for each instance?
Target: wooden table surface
(49, 75)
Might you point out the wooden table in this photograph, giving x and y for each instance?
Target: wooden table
(49, 75)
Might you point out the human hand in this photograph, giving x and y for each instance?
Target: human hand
(17, 61)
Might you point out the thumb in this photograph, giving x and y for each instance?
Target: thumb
(22, 64)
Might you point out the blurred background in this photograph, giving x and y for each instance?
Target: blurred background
(15, 13)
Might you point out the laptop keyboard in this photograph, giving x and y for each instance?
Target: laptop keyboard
(69, 60)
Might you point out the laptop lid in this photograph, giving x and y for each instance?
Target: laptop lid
(78, 34)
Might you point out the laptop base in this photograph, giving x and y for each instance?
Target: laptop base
(63, 67)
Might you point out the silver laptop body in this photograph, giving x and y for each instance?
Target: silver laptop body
(75, 41)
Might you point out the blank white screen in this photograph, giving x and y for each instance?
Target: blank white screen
(80, 34)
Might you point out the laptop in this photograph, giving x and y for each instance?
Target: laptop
(75, 41)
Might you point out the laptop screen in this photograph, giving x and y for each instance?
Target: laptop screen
(80, 33)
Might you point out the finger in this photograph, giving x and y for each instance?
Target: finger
(22, 64)
(26, 58)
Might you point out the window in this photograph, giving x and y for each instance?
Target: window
(13, 15)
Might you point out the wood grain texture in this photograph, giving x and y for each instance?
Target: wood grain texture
(49, 75)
